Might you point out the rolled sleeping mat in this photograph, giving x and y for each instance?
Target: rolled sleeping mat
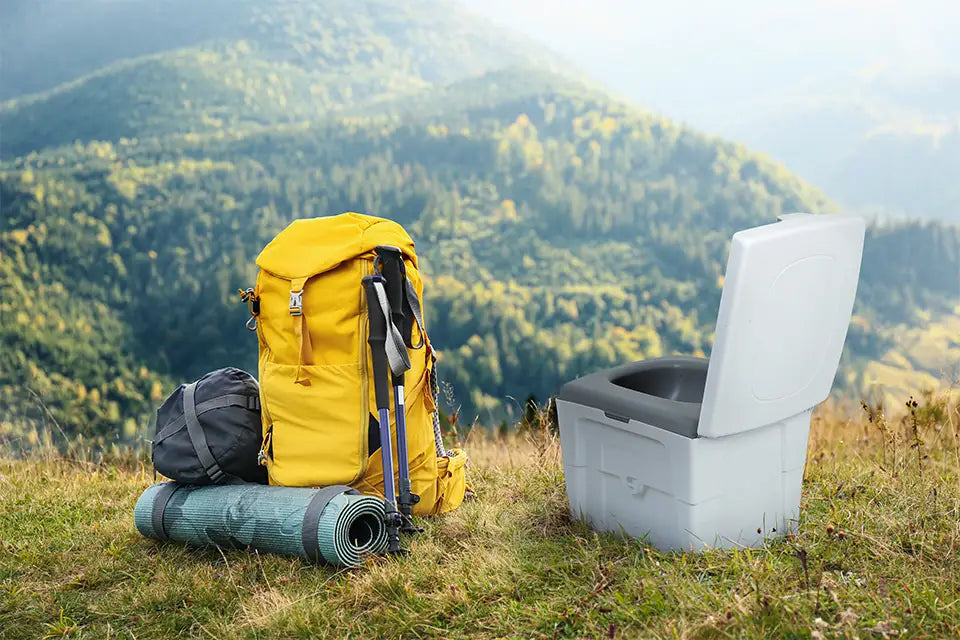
(334, 524)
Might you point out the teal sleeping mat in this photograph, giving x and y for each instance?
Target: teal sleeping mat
(333, 525)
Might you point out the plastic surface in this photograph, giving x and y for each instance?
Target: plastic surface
(786, 304)
(267, 518)
(680, 493)
(664, 391)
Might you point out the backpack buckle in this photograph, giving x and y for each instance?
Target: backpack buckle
(296, 303)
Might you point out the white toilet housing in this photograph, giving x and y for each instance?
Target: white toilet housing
(688, 453)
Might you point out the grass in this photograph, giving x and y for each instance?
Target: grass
(876, 555)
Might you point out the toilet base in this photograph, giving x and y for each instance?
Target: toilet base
(681, 493)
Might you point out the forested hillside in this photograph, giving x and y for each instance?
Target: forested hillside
(561, 230)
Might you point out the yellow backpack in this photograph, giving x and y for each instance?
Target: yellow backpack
(319, 414)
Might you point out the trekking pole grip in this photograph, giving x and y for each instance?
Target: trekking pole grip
(392, 268)
(377, 340)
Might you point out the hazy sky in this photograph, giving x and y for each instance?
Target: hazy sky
(925, 28)
(670, 55)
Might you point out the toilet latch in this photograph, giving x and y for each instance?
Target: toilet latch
(614, 416)
(636, 487)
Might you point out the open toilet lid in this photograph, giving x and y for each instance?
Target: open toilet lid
(786, 303)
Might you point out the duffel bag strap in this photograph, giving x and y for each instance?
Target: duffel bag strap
(229, 400)
(210, 465)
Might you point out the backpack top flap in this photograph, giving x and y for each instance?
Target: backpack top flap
(314, 245)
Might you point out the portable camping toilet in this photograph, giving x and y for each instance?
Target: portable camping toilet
(689, 453)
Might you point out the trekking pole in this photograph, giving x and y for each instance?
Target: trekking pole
(392, 268)
(377, 341)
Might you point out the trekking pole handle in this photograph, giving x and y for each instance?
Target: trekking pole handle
(390, 261)
(377, 340)
(393, 269)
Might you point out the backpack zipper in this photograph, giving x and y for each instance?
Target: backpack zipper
(263, 459)
(265, 456)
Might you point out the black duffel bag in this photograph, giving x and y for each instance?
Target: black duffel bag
(208, 431)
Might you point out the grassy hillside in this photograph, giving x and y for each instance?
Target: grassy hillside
(561, 230)
(875, 556)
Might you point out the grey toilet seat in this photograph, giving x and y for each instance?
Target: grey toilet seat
(662, 392)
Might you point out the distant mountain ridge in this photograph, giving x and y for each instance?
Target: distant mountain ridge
(887, 143)
(52, 42)
(256, 65)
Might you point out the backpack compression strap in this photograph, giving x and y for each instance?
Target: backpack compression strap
(159, 506)
(300, 329)
(435, 390)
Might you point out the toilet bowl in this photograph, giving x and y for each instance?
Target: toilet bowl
(689, 453)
